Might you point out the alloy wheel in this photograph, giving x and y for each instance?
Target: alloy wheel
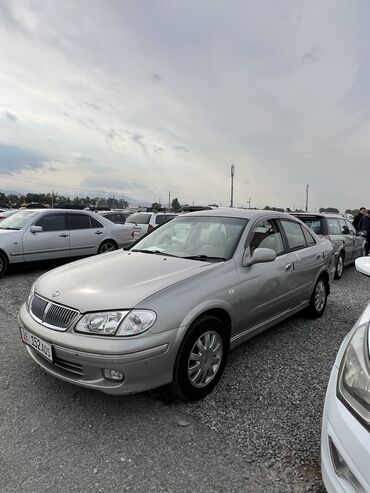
(320, 295)
(340, 265)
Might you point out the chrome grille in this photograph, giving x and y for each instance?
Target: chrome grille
(51, 314)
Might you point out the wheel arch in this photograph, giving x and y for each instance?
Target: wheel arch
(107, 240)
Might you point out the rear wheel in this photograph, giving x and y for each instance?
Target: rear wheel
(107, 246)
(339, 267)
(201, 359)
(3, 264)
(318, 299)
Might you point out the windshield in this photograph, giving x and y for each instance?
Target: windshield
(138, 218)
(18, 220)
(197, 238)
(314, 223)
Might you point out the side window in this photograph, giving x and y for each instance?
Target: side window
(333, 226)
(296, 238)
(266, 235)
(310, 240)
(78, 221)
(95, 223)
(352, 230)
(52, 222)
(160, 219)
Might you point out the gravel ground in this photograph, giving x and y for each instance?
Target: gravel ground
(258, 431)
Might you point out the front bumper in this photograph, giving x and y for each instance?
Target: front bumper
(342, 433)
(145, 362)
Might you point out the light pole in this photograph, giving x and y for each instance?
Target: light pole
(307, 187)
(232, 172)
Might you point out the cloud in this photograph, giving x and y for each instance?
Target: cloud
(181, 148)
(14, 159)
(138, 139)
(112, 184)
(157, 78)
(312, 55)
(10, 116)
(93, 106)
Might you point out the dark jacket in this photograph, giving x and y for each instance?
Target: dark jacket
(357, 220)
(365, 225)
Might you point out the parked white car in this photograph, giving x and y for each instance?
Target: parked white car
(33, 235)
(345, 438)
(146, 221)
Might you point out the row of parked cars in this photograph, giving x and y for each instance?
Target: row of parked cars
(168, 309)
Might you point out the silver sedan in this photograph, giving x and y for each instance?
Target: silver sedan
(33, 235)
(169, 310)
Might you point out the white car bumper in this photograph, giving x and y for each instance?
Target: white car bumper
(345, 446)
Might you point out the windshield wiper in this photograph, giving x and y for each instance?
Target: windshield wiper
(204, 257)
(156, 252)
(15, 229)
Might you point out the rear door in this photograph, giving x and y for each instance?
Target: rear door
(358, 241)
(52, 242)
(348, 241)
(307, 258)
(86, 234)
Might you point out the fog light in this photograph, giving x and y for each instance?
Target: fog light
(341, 468)
(111, 374)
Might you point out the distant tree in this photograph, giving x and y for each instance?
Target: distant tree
(176, 206)
(156, 206)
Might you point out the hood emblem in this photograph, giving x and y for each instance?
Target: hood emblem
(55, 294)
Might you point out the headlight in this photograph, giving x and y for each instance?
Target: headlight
(30, 295)
(354, 375)
(106, 323)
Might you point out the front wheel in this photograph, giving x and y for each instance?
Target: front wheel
(107, 246)
(201, 359)
(318, 299)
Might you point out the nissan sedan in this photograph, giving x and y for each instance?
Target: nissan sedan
(169, 310)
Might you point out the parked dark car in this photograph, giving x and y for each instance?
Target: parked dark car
(347, 242)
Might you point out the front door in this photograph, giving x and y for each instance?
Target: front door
(266, 289)
(52, 242)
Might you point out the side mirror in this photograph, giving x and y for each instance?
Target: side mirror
(260, 255)
(345, 230)
(363, 265)
(363, 232)
(36, 229)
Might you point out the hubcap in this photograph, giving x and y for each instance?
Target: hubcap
(340, 266)
(320, 296)
(205, 359)
(108, 247)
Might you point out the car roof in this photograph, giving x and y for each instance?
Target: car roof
(318, 214)
(238, 213)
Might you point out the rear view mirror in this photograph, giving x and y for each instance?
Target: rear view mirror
(363, 265)
(260, 255)
(36, 229)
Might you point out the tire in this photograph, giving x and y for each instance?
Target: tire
(196, 377)
(339, 267)
(3, 264)
(107, 246)
(318, 299)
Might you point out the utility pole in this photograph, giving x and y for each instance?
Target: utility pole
(232, 173)
(249, 203)
(307, 187)
(169, 201)
(52, 198)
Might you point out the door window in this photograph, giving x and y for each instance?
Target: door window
(310, 240)
(295, 236)
(333, 226)
(95, 223)
(267, 235)
(79, 221)
(352, 230)
(52, 222)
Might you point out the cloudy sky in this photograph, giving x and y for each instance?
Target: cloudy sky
(147, 97)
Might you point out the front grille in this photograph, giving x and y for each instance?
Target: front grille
(51, 314)
(68, 366)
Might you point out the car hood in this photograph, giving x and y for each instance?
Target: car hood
(118, 280)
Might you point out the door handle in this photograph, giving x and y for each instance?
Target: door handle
(63, 235)
(98, 233)
(289, 267)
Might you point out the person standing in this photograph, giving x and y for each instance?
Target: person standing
(364, 224)
(358, 217)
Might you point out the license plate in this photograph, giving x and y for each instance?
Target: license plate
(39, 345)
